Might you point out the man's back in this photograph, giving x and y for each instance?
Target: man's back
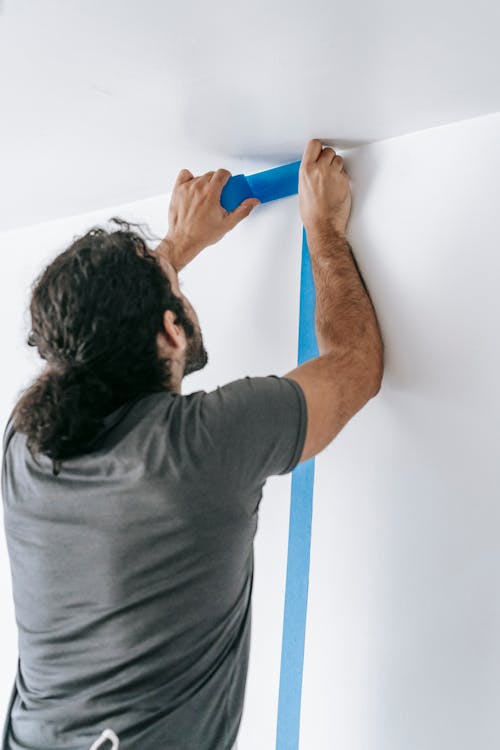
(132, 569)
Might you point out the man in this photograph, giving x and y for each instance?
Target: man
(130, 509)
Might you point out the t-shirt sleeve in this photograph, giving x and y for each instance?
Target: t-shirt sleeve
(8, 432)
(257, 427)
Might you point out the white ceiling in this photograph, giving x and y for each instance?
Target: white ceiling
(103, 101)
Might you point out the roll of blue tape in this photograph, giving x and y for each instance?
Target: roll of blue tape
(267, 186)
(234, 191)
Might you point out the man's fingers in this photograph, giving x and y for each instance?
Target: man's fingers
(312, 151)
(207, 177)
(221, 176)
(183, 176)
(328, 155)
(239, 213)
(338, 162)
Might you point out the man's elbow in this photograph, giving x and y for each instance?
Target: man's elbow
(378, 374)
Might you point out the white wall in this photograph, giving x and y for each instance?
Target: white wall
(402, 645)
(402, 648)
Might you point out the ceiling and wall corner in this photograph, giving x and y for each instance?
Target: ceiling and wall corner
(103, 103)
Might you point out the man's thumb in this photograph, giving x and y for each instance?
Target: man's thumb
(243, 210)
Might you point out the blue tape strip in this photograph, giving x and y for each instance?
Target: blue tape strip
(299, 544)
(267, 186)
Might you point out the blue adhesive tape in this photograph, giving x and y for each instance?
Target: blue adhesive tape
(267, 186)
(234, 191)
(299, 544)
(270, 185)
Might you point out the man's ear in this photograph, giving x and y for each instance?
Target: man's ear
(174, 332)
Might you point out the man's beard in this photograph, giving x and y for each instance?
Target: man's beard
(196, 354)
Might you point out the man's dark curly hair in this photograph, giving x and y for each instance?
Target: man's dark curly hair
(96, 311)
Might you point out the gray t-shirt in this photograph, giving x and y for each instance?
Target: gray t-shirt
(132, 569)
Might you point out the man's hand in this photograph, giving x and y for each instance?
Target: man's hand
(195, 215)
(324, 191)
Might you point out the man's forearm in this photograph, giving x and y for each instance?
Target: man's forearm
(345, 317)
(167, 248)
